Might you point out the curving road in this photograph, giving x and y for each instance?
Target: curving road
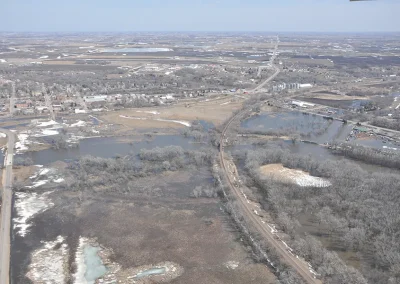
(300, 266)
(6, 209)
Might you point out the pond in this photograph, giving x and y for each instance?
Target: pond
(94, 265)
(110, 147)
(377, 143)
(312, 127)
(137, 50)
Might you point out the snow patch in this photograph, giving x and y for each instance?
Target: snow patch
(48, 263)
(47, 132)
(298, 177)
(232, 264)
(79, 275)
(28, 205)
(37, 183)
(186, 123)
(148, 111)
(21, 145)
(51, 174)
(78, 124)
(47, 123)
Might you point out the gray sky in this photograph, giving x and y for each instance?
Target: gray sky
(199, 15)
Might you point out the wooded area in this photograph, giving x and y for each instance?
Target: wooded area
(358, 213)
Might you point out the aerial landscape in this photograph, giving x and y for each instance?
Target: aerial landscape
(199, 157)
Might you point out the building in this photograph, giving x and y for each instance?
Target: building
(302, 104)
(92, 99)
(77, 110)
(22, 104)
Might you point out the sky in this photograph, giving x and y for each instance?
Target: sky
(199, 15)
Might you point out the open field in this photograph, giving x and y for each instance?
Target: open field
(158, 222)
(215, 111)
(293, 176)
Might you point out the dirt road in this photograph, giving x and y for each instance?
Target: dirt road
(6, 209)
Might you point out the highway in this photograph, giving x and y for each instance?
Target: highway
(6, 209)
(300, 266)
(262, 85)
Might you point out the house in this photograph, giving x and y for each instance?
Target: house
(21, 104)
(57, 107)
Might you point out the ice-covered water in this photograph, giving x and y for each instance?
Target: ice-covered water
(150, 272)
(94, 266)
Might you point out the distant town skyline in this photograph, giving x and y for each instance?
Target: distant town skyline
(196, 15)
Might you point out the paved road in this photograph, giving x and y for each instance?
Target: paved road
(300, 266)
(259, 87)
(6, 209)
(49, 103)
(12, 98)
(82, 102)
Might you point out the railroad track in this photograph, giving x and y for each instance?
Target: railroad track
(300, 266)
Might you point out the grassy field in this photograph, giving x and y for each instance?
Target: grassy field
(215, 111)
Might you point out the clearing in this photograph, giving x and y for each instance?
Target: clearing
(293, 176)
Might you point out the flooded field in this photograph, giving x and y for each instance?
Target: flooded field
(377, 143)
(311, 127)
(110, 147)
(343, 104)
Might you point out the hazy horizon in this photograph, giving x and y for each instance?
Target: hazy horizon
(289, 16)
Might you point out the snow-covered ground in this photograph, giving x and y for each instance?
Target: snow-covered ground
(50, 174)
(149, 111)
(298, 177)
(48, 263)
(186, 123)
(22, 143)
(46, 123)
(46, 132)
(78, 124)
(79, 276)
(37, 183)
(232, 264)
(43, 128)
(28, 204)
